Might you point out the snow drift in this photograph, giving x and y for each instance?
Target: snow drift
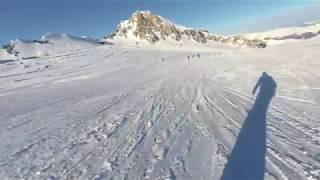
(51, 44)
(309, 30)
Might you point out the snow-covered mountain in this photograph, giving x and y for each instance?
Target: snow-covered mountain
(145, 26)
(307, 31)
(49, 44)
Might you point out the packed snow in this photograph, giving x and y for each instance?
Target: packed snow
(162, 112)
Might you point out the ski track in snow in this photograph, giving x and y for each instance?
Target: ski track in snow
(122, 113)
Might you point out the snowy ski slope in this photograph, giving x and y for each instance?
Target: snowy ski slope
(150, 113)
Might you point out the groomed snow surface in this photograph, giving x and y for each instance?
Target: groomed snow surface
(117, 112)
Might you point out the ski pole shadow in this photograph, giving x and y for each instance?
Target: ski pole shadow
(247, 159)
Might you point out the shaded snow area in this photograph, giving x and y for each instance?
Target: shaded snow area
(116, 112)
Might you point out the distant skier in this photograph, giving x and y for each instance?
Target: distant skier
(188, 58)
(163, 59)
(198, 56)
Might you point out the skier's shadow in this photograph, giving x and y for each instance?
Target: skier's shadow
(247, 159)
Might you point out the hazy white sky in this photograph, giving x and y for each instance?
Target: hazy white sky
(294, 17)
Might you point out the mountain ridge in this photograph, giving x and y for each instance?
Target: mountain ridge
(146, 27)
(143, 25)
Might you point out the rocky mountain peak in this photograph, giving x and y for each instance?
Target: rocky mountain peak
(144, 25)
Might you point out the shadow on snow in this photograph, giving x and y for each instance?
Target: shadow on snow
(247, 159)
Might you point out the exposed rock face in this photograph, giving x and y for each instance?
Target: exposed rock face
(147, 26)
(152, 28)
(306, 35)
(196, 35)
(143, 25)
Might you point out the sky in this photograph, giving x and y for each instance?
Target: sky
(29, 19)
